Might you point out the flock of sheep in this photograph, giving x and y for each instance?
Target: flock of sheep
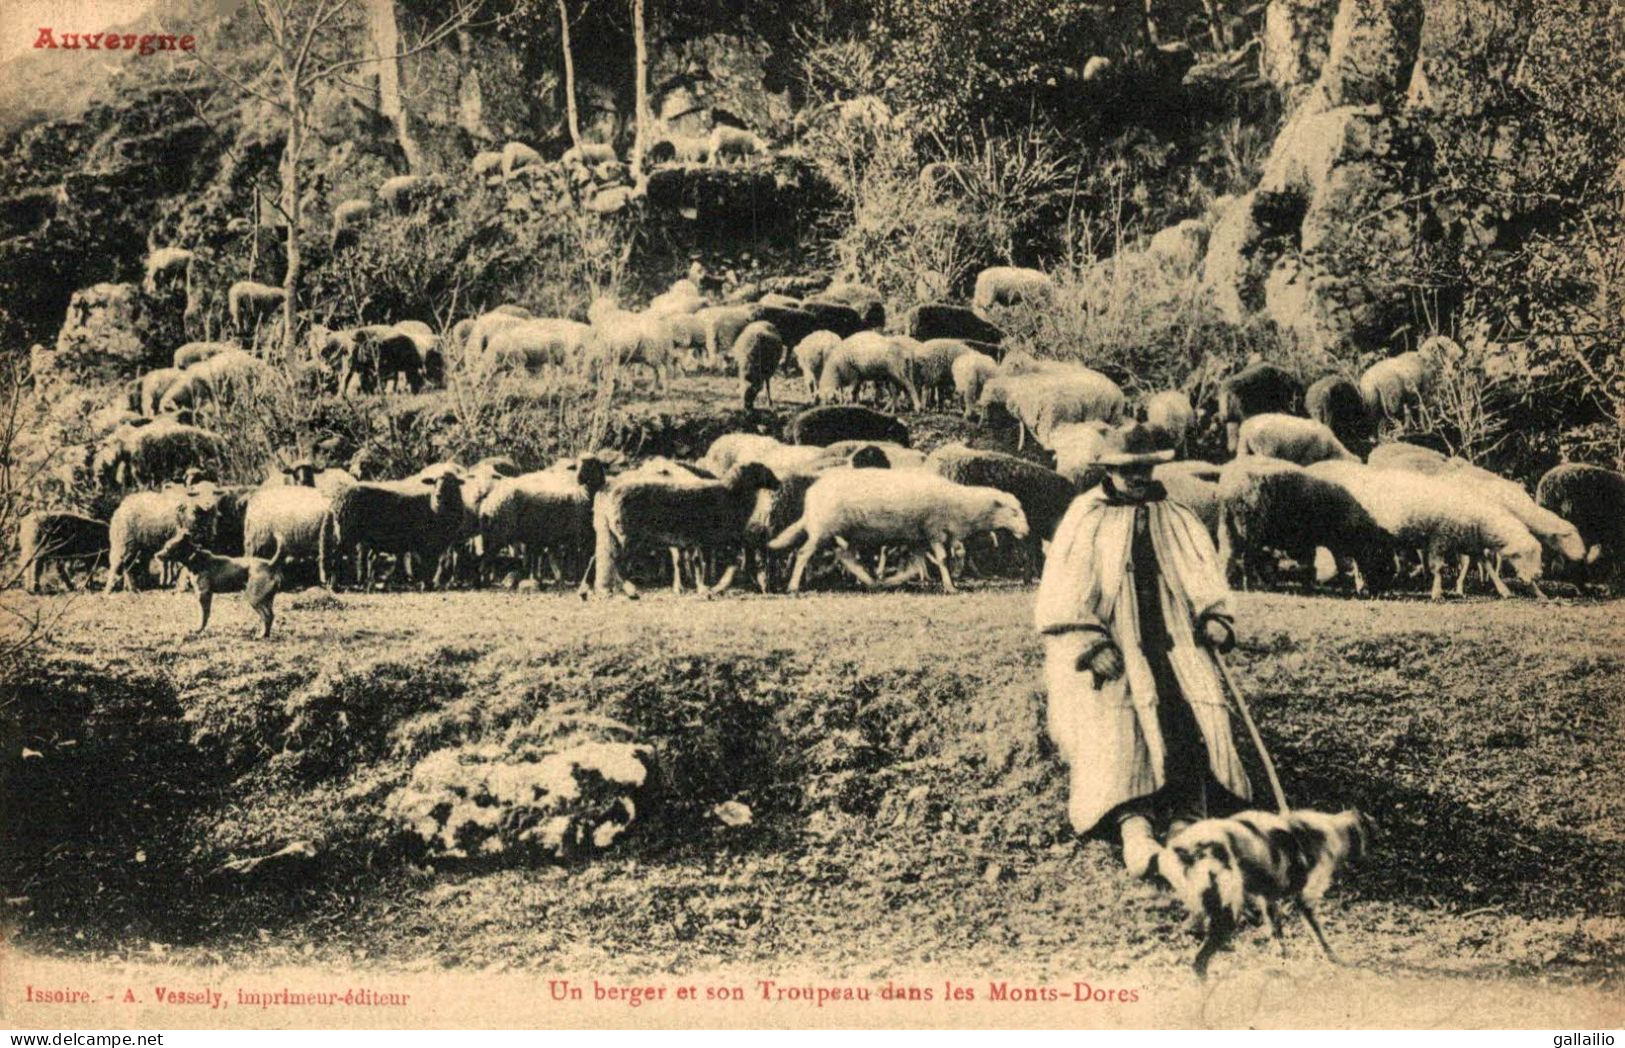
(844, 480)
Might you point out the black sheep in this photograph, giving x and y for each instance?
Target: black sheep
(942, 320)
(829, 423)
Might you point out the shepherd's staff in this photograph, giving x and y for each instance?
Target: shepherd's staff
(1252, 729)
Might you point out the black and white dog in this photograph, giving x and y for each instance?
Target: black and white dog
(1218, 865)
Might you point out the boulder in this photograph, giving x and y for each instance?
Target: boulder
(525, 802)
(1294, 42)
(1180, 247)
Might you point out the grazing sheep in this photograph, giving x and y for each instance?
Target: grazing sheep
(250, 304)
(58, 538)
(1170, 414)
(1272, 504)
(834, 316)
(1556, 534)
(152, 387)
(1413, 457)
(1445, 519)
(632, 338)
(1257, 389)
(881, 453)
(296, 521)
(1593, 500)
(1045, 399)
(516, 157)
(759, 351)
(1077, 447)
(196, 352)
(546, 512)
(1298, 440)
(167, 267)
(433, 360)
(710, 516)
(810, 354)
(730, 449)
(1043, 493)
(163, 450)
(722, 326)
(379, 355)
(867, 357)
(485, 327)
(221, 377)
(588, 154)
(1194, 485)
(733, 143)
(971, 373)
(680, 149)
(917, 508)
(862, 299)
(1012, 286)
(1336, 403)
(347, 217)
(934, 369)
(420, 518)
(824, 425)
(1393, 388)
(402, 192)
(534, 345)
(943, 320)
(143, 522)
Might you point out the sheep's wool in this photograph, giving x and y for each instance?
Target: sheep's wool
(1110, 736)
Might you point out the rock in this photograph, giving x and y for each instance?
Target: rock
(1339, 185)
(526, 586)
(1294, 42)
(1372, 51)
(1096, 67)
(527, 802)
(1180, 247)
(104, 335)
(732, 813)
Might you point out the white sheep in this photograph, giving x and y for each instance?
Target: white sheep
(733, 143)
(971, 372)
(167, 266)
(730, 449)
(516, 157)
(293, 518)
(1555, 533)
(1048, 398)
(810, 354)
(868, 356)
(1170, 413)
(912, 507)
(1301, 441)
(1445, 519)
(1011, 286)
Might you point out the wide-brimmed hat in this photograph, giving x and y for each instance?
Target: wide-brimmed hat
(1134, 445)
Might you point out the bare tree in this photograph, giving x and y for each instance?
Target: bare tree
(307, 52)
(569, 76)
(640, 47)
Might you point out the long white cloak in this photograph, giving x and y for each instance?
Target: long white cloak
(1110, 736)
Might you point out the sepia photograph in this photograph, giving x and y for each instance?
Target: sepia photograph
(906, 514)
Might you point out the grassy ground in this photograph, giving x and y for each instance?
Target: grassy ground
(908, 816)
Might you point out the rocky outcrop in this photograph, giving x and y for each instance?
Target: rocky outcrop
(528, 804)
(102, 338)
(1294, 41)
(1342, 184)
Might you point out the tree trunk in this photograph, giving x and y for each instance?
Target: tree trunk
(291, 205)
(385, 35)
(641, 94)
(569, 77)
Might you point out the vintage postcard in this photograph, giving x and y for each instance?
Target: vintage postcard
(856, 513)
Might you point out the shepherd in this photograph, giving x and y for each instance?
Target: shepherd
(1133, 611)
